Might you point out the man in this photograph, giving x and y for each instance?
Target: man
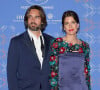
(28, 55)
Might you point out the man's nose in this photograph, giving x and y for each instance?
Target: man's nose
(33, 19)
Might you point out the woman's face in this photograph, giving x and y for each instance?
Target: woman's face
(70, 26)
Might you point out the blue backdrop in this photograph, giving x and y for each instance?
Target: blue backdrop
(11, 24)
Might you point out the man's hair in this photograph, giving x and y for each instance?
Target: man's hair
(42, 15)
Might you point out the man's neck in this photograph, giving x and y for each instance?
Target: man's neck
(36, 33)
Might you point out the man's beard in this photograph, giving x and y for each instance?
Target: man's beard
(34, 28)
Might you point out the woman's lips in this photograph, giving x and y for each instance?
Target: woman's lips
(71, 29)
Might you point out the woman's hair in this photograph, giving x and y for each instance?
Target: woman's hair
(42, 15)
(70, 13)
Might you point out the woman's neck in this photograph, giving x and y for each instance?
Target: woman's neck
(72, 39)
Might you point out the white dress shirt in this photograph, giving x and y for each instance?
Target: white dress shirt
(37, 44)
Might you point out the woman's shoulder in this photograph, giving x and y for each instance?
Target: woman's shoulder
(57, 40)
(85, 44)
(55, 43)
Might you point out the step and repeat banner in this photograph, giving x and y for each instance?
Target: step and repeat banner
(11, 24)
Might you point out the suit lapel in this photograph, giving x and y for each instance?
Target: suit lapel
(30, 45)
(46, 43)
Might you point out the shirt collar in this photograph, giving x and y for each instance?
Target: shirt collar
(31, 35)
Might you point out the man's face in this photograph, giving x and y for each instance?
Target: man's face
(34, 20)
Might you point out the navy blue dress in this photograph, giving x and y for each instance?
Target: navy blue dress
(71, 71)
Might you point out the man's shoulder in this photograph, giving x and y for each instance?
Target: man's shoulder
(18, 37)
(48, 36)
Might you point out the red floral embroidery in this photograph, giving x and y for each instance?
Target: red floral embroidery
(59, 39)
(87, 59)
(52, 58)
(70, 44)
(56, 61)
(53, 74)
(89, 79)
(83, 43)
(55, 45)
(85, 70)
(62, 50)
(80, 50)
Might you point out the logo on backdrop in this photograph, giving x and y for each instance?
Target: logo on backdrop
(51, 19)
(91, 10)
(39, 2)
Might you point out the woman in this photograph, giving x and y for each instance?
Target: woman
(69, 58)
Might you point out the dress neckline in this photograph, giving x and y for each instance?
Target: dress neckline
(73, 44)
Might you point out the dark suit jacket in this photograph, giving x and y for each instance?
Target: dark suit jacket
(23, 67)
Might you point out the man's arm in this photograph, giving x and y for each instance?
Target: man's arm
(12, 63)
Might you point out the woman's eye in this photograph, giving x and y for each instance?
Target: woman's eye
(66, 23)
(73, 22)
